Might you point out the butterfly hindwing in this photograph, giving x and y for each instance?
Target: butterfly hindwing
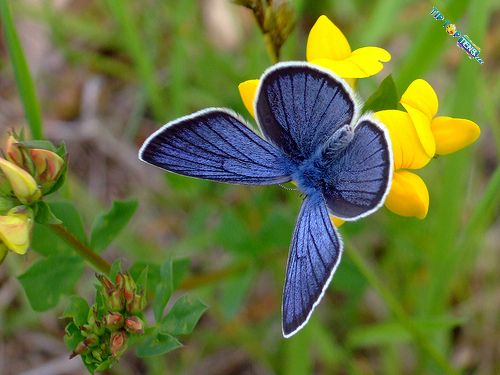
(360, 176)
(299, 106)
(214, 144)
(314, 255)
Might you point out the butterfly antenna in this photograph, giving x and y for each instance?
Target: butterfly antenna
(287, 188)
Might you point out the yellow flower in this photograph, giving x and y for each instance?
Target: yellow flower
(22, 183)
(417, 135)
(329, 48)
(15, 229)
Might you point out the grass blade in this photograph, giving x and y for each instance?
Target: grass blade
(131, 40)
(24, 82)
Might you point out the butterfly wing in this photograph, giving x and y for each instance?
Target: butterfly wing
(314, 255)
(299, 106)
(359, 177)
(214, 144)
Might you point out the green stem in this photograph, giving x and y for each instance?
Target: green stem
(90, 256)
(398, 311)
(24, 81)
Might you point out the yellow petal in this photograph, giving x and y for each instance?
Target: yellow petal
(421, 103)
(15, 232)
(406, 147)
(362, 63)
(337, 223)
(22, 183)
(453, 134)
(248, 89)
(423, 127)
(408, 195)
(422, 97)
(326, 41)
(369, 59)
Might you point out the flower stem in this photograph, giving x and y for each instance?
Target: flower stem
(83, 250)
(398, 311)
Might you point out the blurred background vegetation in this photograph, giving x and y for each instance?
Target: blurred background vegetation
(411, 296)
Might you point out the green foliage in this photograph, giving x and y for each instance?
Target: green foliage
(44, 214)
(182, 317)
(385, 97)
(77, 309)
(157, 344)
(164, 289)
(107, 226)
(24, 81)
(45, 241)
(46, 280)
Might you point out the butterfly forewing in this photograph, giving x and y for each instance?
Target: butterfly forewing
(359, 177)
(215, 145)
(299, 106)
(314, 255)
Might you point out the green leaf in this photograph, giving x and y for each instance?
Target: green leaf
(22, 74)
(38, 143)
(77, 309)
(44, 214)
(142, 280)
(69, 215)
(183, 316)
(157, 344)
(61, 150)
(181, 267)
(108, 225)
(385, 97)
(73, 336)
(163, 290)
(49, 278)
(46, 242)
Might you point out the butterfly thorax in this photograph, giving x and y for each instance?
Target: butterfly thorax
(310, 174)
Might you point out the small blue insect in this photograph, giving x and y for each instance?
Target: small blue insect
(313, 136)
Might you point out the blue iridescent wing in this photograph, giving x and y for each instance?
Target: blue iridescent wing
(299, 106)
(359, 177)
(314, 255)
(214, 144)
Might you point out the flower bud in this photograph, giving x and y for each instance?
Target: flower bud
(113, 321)
(128, 288)
(115, 301)
(21, 182)
(134, 325)
(84, 345)
(137, 305)
(118, 343)
(48, 167)
(106, 283)
(13, 152)
(80, 349)
(15, 229)
(119, 280)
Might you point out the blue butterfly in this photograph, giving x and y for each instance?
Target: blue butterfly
(311, 135)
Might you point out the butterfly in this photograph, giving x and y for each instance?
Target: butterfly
(313, 135)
